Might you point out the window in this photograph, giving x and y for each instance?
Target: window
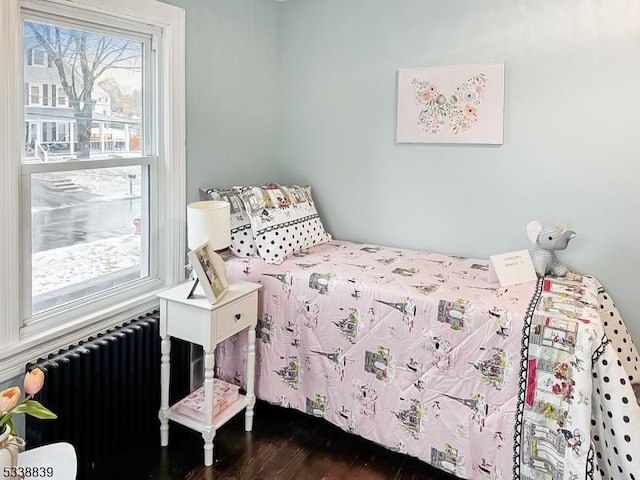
(89, 222)
(99, 186)
(34, 94)
(61, 132)
(36, 56)
(62, 97)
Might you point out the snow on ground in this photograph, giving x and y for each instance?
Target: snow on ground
(108, 182)
(60, 267)
(75, 264)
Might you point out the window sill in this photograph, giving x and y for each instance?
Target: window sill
(31, 347)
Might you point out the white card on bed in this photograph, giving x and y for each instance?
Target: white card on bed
(511, 268)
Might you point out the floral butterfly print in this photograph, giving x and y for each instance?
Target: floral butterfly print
(459, 111)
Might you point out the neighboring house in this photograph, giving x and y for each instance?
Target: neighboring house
(50, 121)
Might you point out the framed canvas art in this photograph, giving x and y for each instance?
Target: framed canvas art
(451, 104)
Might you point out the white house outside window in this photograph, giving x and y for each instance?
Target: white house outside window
(100, 197)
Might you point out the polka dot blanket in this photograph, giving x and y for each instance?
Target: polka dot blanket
(616, 418)
(619, 336)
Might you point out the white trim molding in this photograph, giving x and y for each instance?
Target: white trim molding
(21, 345)
(11, 98)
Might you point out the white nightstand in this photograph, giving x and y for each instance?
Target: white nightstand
(196, 320)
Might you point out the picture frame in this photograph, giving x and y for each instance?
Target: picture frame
(210, 272)
(451, 104)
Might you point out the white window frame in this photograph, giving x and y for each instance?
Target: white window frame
(21, 345)
(32, 53)
(40, 94)
(62, 127)
(64, 102)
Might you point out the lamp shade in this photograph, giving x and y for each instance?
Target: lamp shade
(209, 221)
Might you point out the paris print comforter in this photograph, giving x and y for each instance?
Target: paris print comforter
(418, 352)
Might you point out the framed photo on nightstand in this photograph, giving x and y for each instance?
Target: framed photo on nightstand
(210, 272)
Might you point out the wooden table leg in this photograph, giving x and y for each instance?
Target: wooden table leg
(209, 431)
(165, 368)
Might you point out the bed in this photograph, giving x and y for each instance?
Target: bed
(416, 351)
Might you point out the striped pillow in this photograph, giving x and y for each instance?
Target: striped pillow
(284, 220)
(242, 239)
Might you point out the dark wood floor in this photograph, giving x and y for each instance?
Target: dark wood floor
(284, 444)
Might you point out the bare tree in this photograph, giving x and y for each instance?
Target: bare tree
(80, 59)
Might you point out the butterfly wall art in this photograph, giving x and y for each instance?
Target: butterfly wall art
(451, 104)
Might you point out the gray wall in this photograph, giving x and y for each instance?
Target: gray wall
(232, 91)
(305, 91)
(572, 117)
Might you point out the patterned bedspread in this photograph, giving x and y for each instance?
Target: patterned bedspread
(417, 352)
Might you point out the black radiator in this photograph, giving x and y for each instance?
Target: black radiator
(106, 392)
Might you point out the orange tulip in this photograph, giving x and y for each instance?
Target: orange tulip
(33, 381)
(9, 399)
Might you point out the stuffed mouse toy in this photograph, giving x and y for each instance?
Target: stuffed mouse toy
(547, 240)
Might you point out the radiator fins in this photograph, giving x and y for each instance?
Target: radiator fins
(106, 392)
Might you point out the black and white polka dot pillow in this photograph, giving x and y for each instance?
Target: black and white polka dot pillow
(617, 332)
(285, 239)
(284, 220)
(615, 420)
(242, 239)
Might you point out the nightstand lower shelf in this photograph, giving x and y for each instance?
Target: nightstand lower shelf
(218, 420)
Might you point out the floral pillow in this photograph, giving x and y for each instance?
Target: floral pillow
(242, 239)
(284, 220)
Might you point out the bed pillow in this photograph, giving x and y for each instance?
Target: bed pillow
(242, 239)
(284, 220)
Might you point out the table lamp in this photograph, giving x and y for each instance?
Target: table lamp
(209, 222)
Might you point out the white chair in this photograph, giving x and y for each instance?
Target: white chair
(57, 461)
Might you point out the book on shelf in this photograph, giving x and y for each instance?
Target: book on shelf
(224, 394)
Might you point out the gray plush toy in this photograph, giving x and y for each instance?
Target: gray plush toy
(547, 240)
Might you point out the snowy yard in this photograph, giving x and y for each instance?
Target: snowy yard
(75, 264)
(61, 267)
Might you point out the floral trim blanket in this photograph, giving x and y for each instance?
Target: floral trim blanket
(418, 352)
(577, 413)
